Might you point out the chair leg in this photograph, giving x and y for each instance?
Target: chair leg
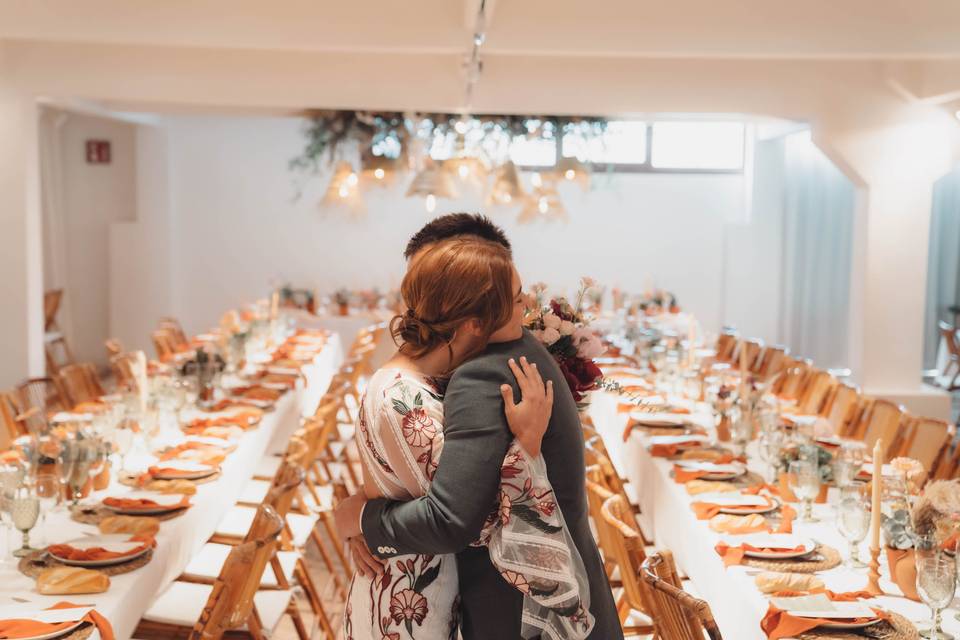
(310, 588)
(294, 612)
(328, 562)
(325, 517)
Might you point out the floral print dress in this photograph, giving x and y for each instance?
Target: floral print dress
(400, 437)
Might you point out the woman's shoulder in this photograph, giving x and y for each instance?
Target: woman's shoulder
(392, 386)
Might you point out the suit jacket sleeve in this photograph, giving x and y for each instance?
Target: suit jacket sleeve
(466, 485)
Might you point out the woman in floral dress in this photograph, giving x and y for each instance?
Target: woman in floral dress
(461, 295)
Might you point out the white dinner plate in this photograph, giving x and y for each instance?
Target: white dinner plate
(166, 502)
(788, 541)
(111, 542)
(837, 624)
(746, 511)
(714, 471)
(55, 634)
(185, 470)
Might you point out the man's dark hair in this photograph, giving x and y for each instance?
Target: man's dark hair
(453, 225)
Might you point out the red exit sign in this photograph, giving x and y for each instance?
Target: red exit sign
(98, 152)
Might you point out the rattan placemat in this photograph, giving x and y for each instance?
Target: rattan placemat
(896, 628)
(38, 561)
(94, 514)
(82, 632)
(823, 558)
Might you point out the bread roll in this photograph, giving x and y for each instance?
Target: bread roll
(183, 487)
(133, 525)
(774, 581)
(65, 580)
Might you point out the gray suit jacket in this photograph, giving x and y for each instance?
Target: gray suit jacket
(466, 486)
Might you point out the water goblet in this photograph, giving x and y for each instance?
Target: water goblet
(771, 444)
(803, 478)
(24, 511)
(853, 520)
(936, 583)
(50, 494)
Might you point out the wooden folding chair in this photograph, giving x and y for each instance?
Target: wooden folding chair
(10, 428)
(926, 440)
(841, 408)
(753, 347)
(949, 335)
(793, 380)
(114, 347)
(726, 346)
(164, 343)
(42, 394)
(627, 548)
(80, 383)
(173, 326)
(820, 385)
(881, 420)
(771, 362)
(679, 615)
(234, 600)
(597, 494)
(57, 350)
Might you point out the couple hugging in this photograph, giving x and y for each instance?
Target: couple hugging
(473, 514)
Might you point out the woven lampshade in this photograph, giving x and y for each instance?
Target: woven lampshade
(467, 170)
(573, 170)
(543, 203)
(379, 171)
(432, 181)
(344, 189)
(506, 187)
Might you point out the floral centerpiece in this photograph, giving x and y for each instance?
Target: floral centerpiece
(565, 331)
(341, 297)
(658, 301)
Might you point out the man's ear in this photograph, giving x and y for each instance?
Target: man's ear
(472, 328)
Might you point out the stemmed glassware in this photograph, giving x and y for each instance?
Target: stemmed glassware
(10, 477)
(853, 520)
(24, 509)
(770, 444)
(936, 583)
(50, 493)
(803, 478)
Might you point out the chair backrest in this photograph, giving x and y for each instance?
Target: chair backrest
(597, 494)
(771, 362)
(679, 615)
(818, 388)
(173, 327)
(949, 334)
(51, 304)
(9, 427)
(752, 348)
(164, 343)
(726, 346)
(230, 605)
(841, 408)
(627, 547)
(284, 486)
(595, 452)
(793, 379)
(926, 440)
(40, 393)
(114, 347)
(883, 420)
(79, 383)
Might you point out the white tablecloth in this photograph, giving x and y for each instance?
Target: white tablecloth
(180, 538)
(737, 604)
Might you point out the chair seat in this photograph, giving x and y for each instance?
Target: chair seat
(254, 492)
(323, 501)
(267, 467)
(236, 522)
(182, 603)
(206, 565)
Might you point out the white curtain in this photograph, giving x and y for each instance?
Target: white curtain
(51, 202)
(943, 262)
(817, 253)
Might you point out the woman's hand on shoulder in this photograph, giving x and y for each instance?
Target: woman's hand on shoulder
(529, 418)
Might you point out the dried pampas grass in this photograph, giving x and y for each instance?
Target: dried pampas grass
(933, 510)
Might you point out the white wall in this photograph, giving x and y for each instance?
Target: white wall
(92, 197)
(237, 228)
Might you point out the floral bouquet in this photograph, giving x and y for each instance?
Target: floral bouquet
(564, 329)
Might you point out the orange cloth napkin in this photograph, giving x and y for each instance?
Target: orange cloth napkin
(734, 555)
(670, 450)
(20, 628)
(99, 553)
(706, 510)
(780, 624)
(130, 504)
(212, 455)
(683, 476)
(238, 419)
(739, 525)
(90, 407)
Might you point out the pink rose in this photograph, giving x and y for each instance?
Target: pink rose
(550, 335)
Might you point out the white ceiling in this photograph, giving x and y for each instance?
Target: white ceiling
(619, 28)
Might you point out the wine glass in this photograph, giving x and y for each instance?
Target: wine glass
(803, 478)
(24, 510)
(770, 444)
(936, 583)
(853, 520)
(742, 432)
(49, 492)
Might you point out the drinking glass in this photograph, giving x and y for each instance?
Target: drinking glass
(770, 444)
(49, 492)
(853, 520)
(24, 510)
(844, 472)
(742, 432)
(936, 583)
(803, 478)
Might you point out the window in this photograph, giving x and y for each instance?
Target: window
(697, 145)
(534, 152)
(623, 142)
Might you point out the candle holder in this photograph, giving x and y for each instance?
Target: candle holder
(873, 576)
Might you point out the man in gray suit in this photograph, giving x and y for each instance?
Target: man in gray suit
(465, 488)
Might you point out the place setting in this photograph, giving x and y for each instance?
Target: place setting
(107, 554)
(62, 621)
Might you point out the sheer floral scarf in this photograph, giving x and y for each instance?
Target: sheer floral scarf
(530, 545)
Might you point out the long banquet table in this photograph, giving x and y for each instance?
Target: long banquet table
(737, 604)
(179, 539)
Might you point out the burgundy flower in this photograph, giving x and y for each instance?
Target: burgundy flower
(418, 428)
(408, 605)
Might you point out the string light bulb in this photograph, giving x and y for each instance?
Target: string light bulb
(379, 173)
